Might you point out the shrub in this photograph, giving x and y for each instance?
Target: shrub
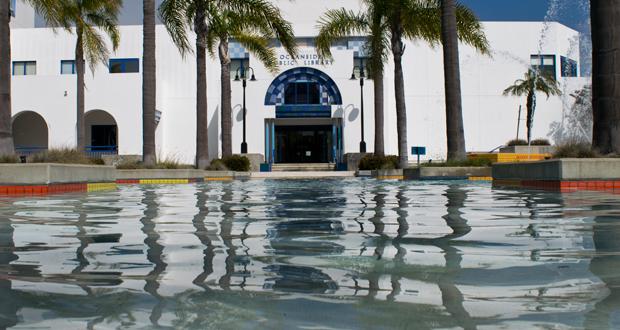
(64, 156)
(217, 165)
(516, 142)
(9, 159)
(575, 150)
(478, 162)
(237, 163)
(168, 163)
(541, 142)
(373, 162)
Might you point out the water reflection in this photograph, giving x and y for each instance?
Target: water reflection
(276, 254)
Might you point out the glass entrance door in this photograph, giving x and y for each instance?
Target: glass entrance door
(303, 144)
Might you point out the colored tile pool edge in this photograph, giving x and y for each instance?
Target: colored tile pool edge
(562, 186)
(55, 188)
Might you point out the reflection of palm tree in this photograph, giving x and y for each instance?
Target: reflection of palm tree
(605, 266)
(154, 253)
(451, 296)
(8, 304)
(202, 235)
(226, 226)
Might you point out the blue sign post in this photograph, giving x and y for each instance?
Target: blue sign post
(418, 151)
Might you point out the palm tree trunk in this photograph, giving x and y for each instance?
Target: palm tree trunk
(531, 107)
(226, 99)
(399, 87)
(379, 121)
(80, 70)
(202, 121)
(6, 135)
(454, 109)
(149, 84)
(606, 75)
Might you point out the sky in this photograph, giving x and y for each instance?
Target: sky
(570, 12)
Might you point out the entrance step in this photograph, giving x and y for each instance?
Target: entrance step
(315, 167)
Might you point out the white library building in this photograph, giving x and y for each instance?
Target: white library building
(308, 112)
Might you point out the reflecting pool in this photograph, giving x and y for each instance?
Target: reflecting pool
(295, 254)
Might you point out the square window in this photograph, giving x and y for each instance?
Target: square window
(238, 67)
(129, 65)
(24, 68)
(67, 67)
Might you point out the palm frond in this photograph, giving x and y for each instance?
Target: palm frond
(176, 16)
(339, 23)
(259, 46)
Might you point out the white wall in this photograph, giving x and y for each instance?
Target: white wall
(490, 118)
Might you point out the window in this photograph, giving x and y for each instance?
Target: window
(12, 8)
(25, 68)
(569, 67)
(126, 65)
(544, 63)
(67, 67)
(302, 93)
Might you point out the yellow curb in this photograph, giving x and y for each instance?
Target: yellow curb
(91, 187)
(164, 181)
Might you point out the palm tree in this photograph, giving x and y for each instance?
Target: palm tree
(6, 135)
(455, 132)
(47, 8)
(200, 15)
(149, 84)
(533, 82)
(605, 95)
(87, 19)
(253, 29)
(339, 23)
(394, 21)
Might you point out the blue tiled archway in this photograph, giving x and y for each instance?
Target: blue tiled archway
(330, 94)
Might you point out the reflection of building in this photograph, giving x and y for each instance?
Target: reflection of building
(309, 112)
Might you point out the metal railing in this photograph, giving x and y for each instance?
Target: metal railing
(27, 151)
(98, 151)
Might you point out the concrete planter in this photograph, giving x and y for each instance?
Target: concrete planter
(159, 174)
(528, 150)
(560, 169)
(352, 160)
(396, 174)
(447, 173)
(45, 174)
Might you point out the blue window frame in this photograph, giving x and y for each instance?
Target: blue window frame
(67, 67)
(24, 68)
(545, 64)
(305, 92)
(569, 67)
(124, 65)
(12, 8)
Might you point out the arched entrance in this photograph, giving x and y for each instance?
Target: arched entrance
(30, 133)
(101, 133)
(303, 130)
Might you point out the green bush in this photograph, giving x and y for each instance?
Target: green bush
(541, 142)
(217, 165)
(516, 142)
(237, 163)
(480, 162)
(373, 162)
(575, 150)
(9, 159)
(64, 156)
(168, 163)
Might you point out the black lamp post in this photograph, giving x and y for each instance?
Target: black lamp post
(241, 75)
(362, 78)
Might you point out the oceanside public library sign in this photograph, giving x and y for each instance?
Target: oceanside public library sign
(303, 59)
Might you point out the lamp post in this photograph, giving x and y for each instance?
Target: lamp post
(362, 78)
(242, 75)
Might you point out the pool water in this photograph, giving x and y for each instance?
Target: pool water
(315, 254)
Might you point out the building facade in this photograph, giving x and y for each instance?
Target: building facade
(309, 112)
